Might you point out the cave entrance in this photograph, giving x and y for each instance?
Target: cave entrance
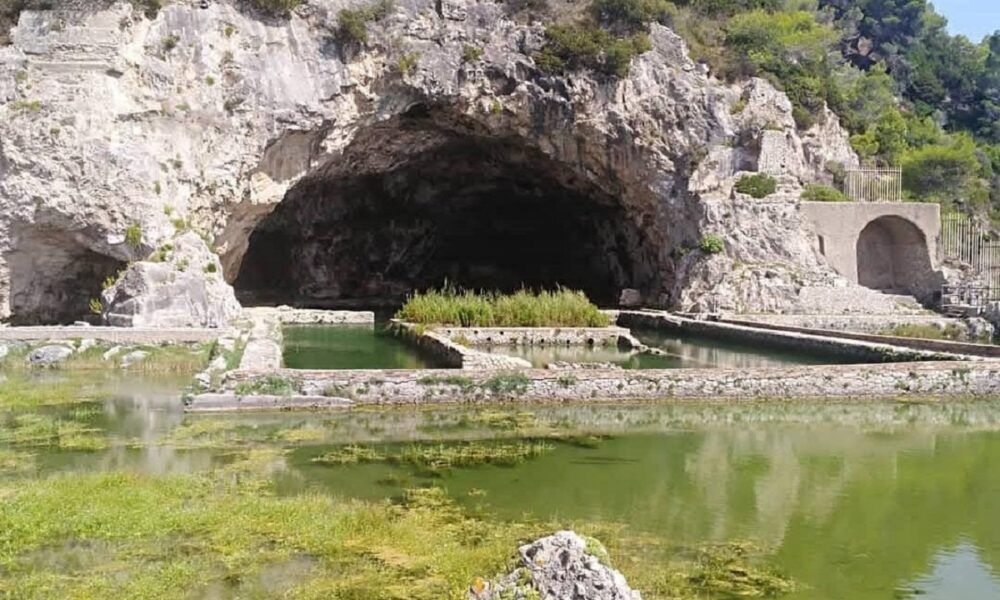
(53, 277)
(417, 201)
(892, 256)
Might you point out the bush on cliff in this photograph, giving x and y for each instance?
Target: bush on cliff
(449, 306)
(275, 7)
(822, 193)
(758, 185)
(352, 23)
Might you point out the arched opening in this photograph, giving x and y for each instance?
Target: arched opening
(421, 199)
(53, 277)
(893, 256)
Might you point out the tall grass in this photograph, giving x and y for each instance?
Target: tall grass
(525, 308)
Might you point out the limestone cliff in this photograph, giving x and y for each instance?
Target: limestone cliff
(322, 172)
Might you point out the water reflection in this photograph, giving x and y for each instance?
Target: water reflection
(348, 347)
(851, 500)
(683, 352)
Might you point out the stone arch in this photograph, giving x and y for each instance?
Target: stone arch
(893, 255)
(431, 195)
(52, 275)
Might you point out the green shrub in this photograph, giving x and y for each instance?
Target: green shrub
(823, 193)
(471, 53)
(449, 306)
(352, 24)
(573, 47)
(150, 8)
(711, 244)
(170, 42)
(275, 7)
(629, 15)
(407, 63)
(759, 185)
(133, 235)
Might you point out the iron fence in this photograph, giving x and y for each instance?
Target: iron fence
(874, 185)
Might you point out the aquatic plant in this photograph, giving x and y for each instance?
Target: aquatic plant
(450, 306)
(272, 385)
(435, 458)
(24, 391)
(507, 384)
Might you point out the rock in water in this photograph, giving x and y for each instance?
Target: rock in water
(182, 287)
(562, 566)
(48, 356)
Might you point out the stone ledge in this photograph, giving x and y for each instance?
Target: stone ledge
(234, 402)
(442, 386)
(537, 336)
(118, 335)
(862, 351)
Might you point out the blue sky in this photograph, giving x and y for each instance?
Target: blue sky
(973, 18)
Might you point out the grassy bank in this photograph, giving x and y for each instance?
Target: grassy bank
(449, 306)
(223, 533)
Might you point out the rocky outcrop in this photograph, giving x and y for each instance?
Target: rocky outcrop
(561, 566)
(181, 287)
(321, 172)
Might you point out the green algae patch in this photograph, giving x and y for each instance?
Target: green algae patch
(436, 458)
(21, 391)
(44, 430)
(14, 461)
(177, 536)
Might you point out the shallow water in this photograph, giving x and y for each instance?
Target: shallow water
(850, 500)
(349, 347)
(682, 352)
(366, 347)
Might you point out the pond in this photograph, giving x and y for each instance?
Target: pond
(367, 347)
(682, 352)
(349, 347)
(847, 500)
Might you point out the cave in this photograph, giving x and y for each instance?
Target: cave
(53, 277)
(421, 200)
(892, 256)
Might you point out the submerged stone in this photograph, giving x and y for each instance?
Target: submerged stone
(48, 356)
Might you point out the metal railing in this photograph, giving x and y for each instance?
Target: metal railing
(966, 241)
(967, 300)
(874, 185)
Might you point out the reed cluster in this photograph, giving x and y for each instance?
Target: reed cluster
(450, 306)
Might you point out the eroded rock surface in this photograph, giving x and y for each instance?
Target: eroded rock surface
(562, 566)
(325, 174)
(181, 287)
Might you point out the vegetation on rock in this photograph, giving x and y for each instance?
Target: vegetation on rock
(352, 23)
(465, 308)
(822, 193)
(712, 244)
(758, 185)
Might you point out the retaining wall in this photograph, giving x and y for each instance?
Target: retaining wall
(984, 350)
(114, 335)
(536, 336)
(860, 351)
(395, 387)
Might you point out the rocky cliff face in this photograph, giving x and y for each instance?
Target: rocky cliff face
(322, 172)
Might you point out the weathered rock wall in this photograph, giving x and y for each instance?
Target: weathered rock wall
(209, 118)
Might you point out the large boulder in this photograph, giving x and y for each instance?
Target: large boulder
(180, 286)
(562, 566)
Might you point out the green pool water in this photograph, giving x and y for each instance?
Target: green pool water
(682, 352)
(349, 347)
(367, 347)
(849, 500)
